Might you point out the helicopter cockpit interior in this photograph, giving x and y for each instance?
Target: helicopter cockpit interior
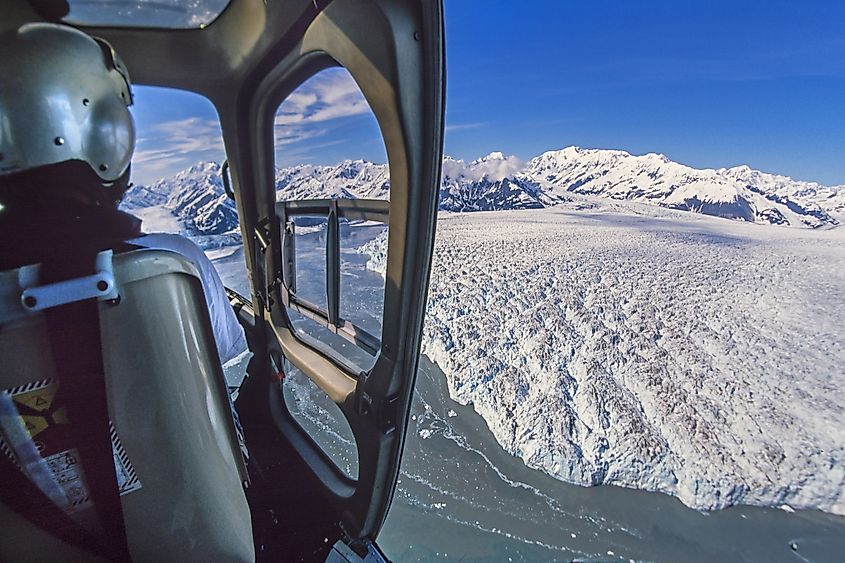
(184, 489)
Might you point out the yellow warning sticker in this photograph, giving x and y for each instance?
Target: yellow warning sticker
(38, 399)
(46, 421)
(38, 409)
(34, 424)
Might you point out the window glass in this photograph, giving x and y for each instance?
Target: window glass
(177, 182)
(310, 244)
(363, 256)
(322, 419)
(173, 14)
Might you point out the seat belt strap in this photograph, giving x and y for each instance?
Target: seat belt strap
(26, 499)
(74, 333)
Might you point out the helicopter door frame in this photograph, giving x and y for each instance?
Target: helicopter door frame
(394, 51)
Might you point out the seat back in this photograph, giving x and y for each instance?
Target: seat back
(177, 456)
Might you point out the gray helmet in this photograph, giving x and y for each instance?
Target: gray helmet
(63, 96)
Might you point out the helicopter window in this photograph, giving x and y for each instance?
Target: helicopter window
(172, 14)
(322, 419)
(310, 259)
(177, 182)
(332, 181)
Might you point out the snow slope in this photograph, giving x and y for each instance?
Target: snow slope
(626, 344)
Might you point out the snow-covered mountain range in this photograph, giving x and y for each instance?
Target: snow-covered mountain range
(195, 196)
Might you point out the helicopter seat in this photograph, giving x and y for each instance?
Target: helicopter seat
(177, 460)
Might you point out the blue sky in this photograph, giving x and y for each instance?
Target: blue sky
(711, 85)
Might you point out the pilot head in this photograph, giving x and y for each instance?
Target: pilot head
(65, 126)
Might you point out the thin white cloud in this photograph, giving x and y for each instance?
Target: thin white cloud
(300, 155)
(498, 168)
(494, 167)
(172, 145)
(330, 95)
(289, 135)
(316, 114)
(452, 127)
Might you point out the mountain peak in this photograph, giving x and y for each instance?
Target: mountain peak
(493, 156)
(741, 169)
(203, 167)
(658, 156)
(574, 152)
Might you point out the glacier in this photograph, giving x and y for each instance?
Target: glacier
(619, 343)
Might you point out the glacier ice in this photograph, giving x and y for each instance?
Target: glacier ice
(648, 348)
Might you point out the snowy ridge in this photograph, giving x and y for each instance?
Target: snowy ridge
(829, 199)
(348, 179)
(498, 182)
(486, 184)
(649, 349)
(733, 193)
(482, 185)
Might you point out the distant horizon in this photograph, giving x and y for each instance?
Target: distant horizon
(524, 162)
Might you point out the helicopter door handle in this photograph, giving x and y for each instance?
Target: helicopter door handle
(227, 183)
(333, 265)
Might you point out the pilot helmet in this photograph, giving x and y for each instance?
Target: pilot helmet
(64, 96)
